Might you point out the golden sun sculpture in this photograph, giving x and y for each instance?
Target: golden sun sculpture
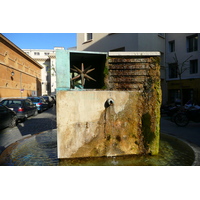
(82, 74)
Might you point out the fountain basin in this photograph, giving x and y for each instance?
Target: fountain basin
(173, 152)
(41, 150)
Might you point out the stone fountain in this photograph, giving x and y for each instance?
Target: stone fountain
(112, 109)
(108, 113)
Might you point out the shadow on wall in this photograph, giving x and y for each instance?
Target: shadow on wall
(115, 42)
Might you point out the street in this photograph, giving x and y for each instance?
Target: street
(190, 133)
(34, 124)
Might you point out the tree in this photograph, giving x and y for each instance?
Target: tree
(180, 68)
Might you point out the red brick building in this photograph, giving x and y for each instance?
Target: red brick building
(20, 75)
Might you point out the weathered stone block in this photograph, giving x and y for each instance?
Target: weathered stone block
(90, 126)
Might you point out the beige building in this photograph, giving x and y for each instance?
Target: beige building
(20, 75)
(105, 42)
(121, 42)
(179, 58)
(46, 58)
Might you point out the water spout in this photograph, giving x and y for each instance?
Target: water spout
(109, 102)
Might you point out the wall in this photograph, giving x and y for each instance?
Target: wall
(106, 42)
(27, 72)
(131, 42)
(181, 53)
(189, 81)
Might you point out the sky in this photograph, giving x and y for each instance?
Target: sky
(42, 40)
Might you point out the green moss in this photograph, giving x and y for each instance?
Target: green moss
(105, 75)
(105, 71)
(155, 60)
(146, 130)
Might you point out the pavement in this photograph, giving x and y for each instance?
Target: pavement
(33, 125)
(40, 149)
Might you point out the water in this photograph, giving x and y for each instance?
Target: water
(41, 150)
(172, 153)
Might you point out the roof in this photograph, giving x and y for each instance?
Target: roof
(14, 99)
(20, 51)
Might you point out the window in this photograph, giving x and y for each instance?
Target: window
(27, 103)
(2, 109)
(172, 46)
(192, 43)
(37, 53)
(88, 36)
(174, 96)
(46, 54)
(193, 66)
(173, 70)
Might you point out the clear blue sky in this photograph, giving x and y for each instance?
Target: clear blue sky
(42, 40)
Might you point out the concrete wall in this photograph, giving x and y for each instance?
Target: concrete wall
(82, 125)
(88, 128)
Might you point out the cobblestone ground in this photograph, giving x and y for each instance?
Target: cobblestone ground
(33, 125)
(37, 150)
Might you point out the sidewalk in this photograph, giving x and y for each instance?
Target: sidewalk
(190, 133)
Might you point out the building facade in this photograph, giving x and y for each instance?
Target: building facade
(20, 75)
(182, 67)
(106, 42)
(46, 58)
(180, 73)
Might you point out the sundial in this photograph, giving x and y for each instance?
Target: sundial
(82, 74)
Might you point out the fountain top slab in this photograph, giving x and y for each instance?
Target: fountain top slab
(135, 53)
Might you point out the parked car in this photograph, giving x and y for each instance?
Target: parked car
(49, 100)
(8, 118)
(40, 103)
(23, 107)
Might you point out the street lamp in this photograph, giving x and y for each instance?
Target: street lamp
(12, 73)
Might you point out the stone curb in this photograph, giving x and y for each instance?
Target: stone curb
(194, 147)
